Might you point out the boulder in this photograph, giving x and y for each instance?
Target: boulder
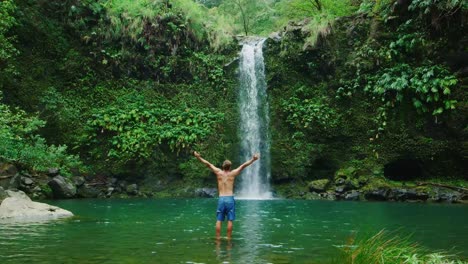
(446, 195)
(26, 181)
(319, 185)
(132, 189)
(109, 192)
(19, 207)
(381, 194)
(86, 191)
(15, 182)
(78, 181)
(408, 194)
(206, 192)
(352, 196)
(62, 188)
(7, 172)
(340, 189)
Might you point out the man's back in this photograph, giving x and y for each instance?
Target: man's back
(226, 182)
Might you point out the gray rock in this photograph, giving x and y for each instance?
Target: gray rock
(328, 196)
(62, 188)
(26, 181)
(408, 194)
(86, 191)
(78, 181)
(52, 172)
(447, 195)
(352, 196)
(15, 182)
(319, 185)
(109, 192)
(340, 189)
(381, 194)
(19, 207)
(132, 189)
(17, 194)
(206, 192)
(37, 193)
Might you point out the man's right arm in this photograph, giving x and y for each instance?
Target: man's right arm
(207, 163)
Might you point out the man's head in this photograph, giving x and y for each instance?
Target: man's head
(227, 165)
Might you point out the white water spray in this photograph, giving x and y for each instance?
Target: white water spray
(254, 124)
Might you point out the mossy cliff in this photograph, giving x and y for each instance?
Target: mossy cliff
(349, 105)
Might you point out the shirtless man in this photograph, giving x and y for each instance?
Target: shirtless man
(226, 203)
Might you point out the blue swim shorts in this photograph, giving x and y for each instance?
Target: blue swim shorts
(226, 207)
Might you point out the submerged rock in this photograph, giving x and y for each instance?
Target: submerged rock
(19, 207)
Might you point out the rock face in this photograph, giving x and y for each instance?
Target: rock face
(62, 188)
(206, 192)
(19, 207)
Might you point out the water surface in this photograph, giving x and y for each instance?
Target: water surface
(182, 231)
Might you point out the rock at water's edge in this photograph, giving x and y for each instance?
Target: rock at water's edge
(62, 188)
(19, 207)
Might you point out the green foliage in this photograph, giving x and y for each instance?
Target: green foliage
(20, 144)
(425, 6)
(308, 113)
(387, 248)
(132, 128)
(7, 50)
(7, 21)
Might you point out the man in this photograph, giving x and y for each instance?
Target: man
(226, 203)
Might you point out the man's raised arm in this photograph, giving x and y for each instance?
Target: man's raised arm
(246, 164)
(207, 163)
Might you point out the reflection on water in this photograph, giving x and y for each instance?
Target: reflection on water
(182, 231)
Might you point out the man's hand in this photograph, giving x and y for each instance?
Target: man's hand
(256, 156)
(196, 154)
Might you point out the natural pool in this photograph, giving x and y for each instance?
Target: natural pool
(182, 231)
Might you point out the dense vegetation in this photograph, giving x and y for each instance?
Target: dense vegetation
(129, 88)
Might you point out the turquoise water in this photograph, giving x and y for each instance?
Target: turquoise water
(182, 231)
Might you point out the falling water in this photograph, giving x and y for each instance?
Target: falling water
(253, 107)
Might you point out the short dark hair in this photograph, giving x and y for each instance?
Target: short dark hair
(227, 165)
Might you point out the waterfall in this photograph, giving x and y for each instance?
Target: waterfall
(254, 121)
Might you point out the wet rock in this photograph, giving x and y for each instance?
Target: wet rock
(62, 188)
(328, 196)
(86, 191)
(109, 192)
(19, 207)
(408, 194)
(352, 196)
(79, 181)
(132, 189)
(381, 194)
(7, 171)
(319, 185)
(206, 192)
(446, 195)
